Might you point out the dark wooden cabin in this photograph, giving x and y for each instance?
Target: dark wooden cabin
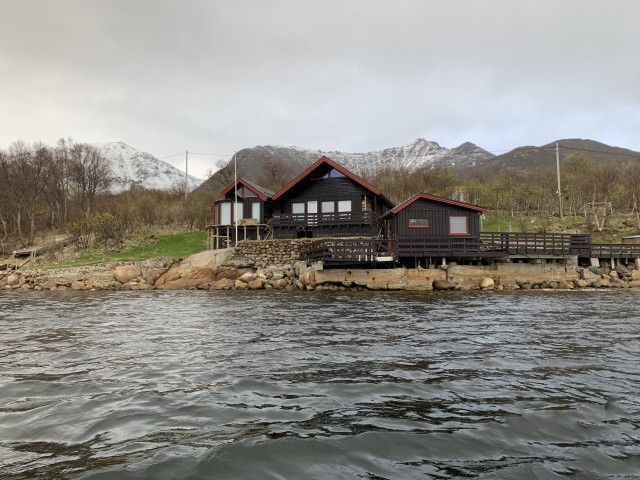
(425, 228)
(327, 200)
(251, 212)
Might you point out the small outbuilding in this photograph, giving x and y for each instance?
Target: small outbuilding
(245, 207)
(425, 228)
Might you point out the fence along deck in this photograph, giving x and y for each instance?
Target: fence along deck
(489, 245)
(346, 251)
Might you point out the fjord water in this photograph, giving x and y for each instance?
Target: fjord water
(196, 385)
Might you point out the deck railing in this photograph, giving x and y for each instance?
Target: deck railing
(617, 250)
(521, 243)
(294, 220)
(346, 250)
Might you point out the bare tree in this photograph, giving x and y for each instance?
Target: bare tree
(22, 171)
(90, 174)
(275, 174)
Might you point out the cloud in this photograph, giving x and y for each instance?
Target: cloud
(165, 76)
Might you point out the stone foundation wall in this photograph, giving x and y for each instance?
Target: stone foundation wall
(268, 252)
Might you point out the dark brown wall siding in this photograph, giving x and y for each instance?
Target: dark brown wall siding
(327, 189)
(438, 215)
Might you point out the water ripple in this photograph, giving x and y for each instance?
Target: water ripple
(193, 385)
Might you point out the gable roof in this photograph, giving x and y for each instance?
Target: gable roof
(433, 198)
(324, 161)
(263, 193)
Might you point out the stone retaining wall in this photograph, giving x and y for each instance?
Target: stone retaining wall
(268, 252)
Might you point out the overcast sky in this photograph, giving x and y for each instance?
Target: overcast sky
(215, 76)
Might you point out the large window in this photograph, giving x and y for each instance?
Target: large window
(344, 206)
(239, 212)
(328, 207)
(225, 214)
(419, 223)
(459, 225)
(255, 211)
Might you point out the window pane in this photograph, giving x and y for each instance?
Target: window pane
(225, 214)
(297, 208)
(328, 207)
(255, 211)
(344, 206)
(239, 212)
(458, 224)
(312, 206)
(419, 222)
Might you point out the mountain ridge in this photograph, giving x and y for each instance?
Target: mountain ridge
(528, 158)
(254, 163)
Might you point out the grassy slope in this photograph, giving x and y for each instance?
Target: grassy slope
(619, 226)
(175, 246)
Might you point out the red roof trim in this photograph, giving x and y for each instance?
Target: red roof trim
(426, 196)
(261, 195)
(333, 164)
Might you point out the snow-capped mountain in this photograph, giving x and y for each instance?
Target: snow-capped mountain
(130, 166)
(254, 163)
(419, 154)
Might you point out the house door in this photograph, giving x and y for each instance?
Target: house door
(312, 212)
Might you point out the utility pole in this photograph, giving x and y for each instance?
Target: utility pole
(558, 172)
(235, 196)
(186, 173)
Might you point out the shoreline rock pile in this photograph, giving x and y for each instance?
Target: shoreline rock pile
(222, 270)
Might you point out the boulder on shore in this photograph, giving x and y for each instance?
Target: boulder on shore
(487, 283)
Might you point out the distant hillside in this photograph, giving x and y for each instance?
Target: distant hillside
(529, 158)
(130, 166)
(259, 164)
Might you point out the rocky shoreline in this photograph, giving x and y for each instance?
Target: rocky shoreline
(222, 270)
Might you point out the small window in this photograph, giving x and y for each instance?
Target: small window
(333, 173)
(459, 225)
(419, 223)
(297, 208)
